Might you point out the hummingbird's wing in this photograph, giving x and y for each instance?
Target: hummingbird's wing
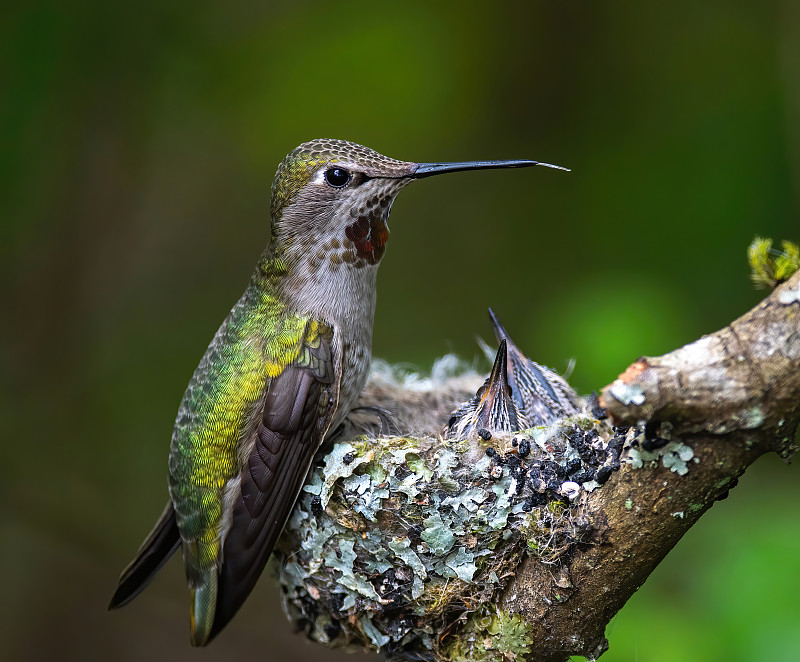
(299, 405)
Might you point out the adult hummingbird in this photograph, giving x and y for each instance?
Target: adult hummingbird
(285, 367)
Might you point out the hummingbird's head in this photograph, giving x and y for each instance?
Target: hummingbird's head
(331, 201)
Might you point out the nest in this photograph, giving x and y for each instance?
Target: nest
(401, 544)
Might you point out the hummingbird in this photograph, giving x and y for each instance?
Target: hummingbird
(518, 394)
(541, 395)
(492, 409)
(284, 369)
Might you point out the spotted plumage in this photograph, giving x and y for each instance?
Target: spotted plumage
(285, 367)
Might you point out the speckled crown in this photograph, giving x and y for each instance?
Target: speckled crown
(331, 150)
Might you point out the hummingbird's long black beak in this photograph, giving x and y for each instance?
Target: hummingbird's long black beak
(498, 379)
(428, 169)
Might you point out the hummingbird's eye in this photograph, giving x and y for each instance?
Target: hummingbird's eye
(337, 177)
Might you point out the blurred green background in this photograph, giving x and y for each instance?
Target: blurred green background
(137, 145)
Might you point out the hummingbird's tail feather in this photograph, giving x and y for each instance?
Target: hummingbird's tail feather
(203, 608)
(155, 551)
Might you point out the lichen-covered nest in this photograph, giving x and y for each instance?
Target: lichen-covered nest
(401, 544)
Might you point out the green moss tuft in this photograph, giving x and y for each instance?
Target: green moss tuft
(497, 637)
(770, 267)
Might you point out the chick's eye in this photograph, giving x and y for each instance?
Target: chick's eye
(337, 177)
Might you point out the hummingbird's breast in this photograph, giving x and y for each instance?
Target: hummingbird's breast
(355, 368)
(354, 327)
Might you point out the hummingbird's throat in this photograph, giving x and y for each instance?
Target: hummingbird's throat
(368, 232)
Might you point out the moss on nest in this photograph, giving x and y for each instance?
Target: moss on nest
(491, 637)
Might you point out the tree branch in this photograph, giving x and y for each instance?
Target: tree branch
(743, 377)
